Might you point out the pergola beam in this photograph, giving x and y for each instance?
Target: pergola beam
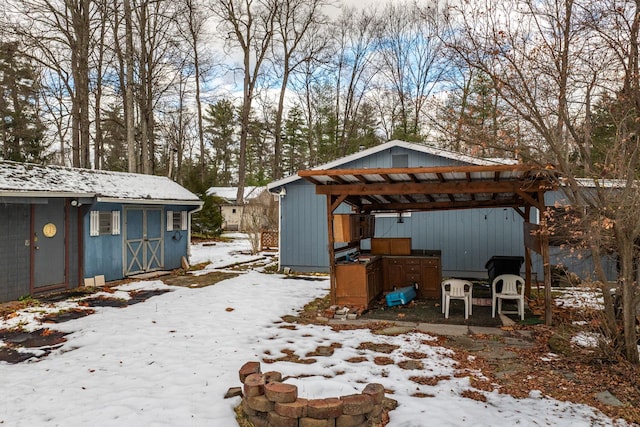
(440, 206)
(402, 188)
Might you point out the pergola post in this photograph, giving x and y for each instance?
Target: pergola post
(332, 251)
(332, 204)
(527, 256)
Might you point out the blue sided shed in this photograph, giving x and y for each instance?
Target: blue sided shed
(60, 225)
(418, 213)
(466, 238)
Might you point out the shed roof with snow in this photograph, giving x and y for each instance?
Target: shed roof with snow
(31, 180)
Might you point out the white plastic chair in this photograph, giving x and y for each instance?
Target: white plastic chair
(512, 289)
(457, 289)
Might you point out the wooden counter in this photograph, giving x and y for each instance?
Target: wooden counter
(358, 283)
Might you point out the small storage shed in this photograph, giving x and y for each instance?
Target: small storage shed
(60, 225)
(233, 214)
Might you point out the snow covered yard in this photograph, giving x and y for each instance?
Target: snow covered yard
(168, 361)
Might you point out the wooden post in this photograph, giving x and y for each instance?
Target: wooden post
(332, 252)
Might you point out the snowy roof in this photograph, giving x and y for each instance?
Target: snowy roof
(230, 193)
(440, 152)
(30, 180)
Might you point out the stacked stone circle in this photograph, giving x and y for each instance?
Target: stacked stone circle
(268, 402)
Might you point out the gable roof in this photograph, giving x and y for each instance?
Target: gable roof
(230, 193)
(31, 180)
(440, 152)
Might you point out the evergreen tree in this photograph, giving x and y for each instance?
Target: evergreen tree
(220, 130)
(472, 120)
(295, 151)
(22, 130)
(260, 150)
(208, 221)
(114, 140)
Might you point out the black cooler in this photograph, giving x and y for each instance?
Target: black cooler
(498, 265)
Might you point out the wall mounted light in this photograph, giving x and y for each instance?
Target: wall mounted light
(400, 220)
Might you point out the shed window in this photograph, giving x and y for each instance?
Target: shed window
(104, 222)
(176, 220)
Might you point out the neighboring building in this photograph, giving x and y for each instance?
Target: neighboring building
(466, 239)
(233, 213)
(60, 225)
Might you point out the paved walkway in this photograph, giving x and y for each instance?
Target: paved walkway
(479, 340)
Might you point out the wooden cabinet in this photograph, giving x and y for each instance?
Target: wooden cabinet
(391, 245)
(358, 283)
(352, 227)
(393, 274)
(430, 271)
(405, 271)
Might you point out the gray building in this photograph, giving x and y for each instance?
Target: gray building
(466, 239)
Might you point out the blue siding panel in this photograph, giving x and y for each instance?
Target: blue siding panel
(466, 238)
(102, 254)
(175, 242)
(74, 248)
(305, 234)
(383, 159)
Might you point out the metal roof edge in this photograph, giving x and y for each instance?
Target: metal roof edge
(53, 194)
(150, 201)
(602, 182)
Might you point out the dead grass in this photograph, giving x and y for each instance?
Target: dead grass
(201, 281)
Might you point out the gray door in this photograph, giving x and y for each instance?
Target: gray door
(143, 240)
(48, 244)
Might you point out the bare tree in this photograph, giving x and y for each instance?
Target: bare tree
(192, 26)
(293, 45)
(354, 38)
(549, 62)
(410, 45)
(249, 25)
(98, 63)
(58, 34)
(258, 215)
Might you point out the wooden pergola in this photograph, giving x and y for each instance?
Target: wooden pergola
(424, 189)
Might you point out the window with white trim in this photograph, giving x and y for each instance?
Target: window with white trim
(104, 222)
(176, 220)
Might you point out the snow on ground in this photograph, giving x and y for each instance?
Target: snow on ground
(579, 297)
(219, 255)
(168, 361)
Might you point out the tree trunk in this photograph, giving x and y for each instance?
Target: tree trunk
(128, 96)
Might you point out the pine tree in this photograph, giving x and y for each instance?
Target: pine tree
(22, 130)
(220, 130)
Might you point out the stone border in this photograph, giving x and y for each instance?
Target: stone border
(268, 402)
